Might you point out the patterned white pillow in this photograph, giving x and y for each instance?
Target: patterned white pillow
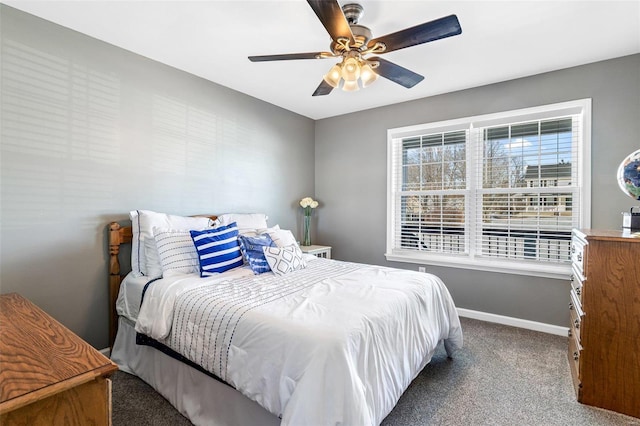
(145, 256)
(177, 252)
(283, 260)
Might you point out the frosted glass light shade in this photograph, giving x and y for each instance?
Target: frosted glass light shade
(333, 76)
(350, 86)
(367, 75)
(351, 69)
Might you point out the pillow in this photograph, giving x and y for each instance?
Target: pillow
(282, 237)
(218, 249)
(283, 260)
(145, 256)
(254, 232)
(136, 270)
(177, 253)
(243, 220)
(251, 248)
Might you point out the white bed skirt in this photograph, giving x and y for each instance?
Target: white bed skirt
(202, 399)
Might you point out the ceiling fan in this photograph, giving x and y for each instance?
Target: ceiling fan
(353, 43)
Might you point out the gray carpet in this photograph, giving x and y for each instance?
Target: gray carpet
(502, 376)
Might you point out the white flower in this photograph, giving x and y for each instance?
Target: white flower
(308, 203)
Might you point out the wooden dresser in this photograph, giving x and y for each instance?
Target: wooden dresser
(48, 375)
(604, 337)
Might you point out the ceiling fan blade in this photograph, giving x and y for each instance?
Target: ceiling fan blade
(331, 16)
(323, 89)
(396, 73)
(290, 56)
(423, 33)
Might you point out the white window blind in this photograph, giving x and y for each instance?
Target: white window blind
(528, 193)
(432, 179)
(499, 192)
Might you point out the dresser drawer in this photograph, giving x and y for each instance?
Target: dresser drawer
(578, 253)
(577, 285)
(575, 315)
(575, 350)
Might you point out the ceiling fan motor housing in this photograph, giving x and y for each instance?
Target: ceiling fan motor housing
(353, 12)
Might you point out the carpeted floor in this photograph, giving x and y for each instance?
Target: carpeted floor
(502, 376)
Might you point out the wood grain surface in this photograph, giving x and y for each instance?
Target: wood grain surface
(610, 330)
(39, 357)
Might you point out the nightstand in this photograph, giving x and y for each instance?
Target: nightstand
(318, 251)
(49, 375)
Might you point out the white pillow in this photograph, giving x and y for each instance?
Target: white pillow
(144, 244)
(136, 269)
(283, 260)
(243, 220)
(282, 237)
(177, 252)
(254, 232)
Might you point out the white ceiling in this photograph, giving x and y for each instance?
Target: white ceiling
(500, 40)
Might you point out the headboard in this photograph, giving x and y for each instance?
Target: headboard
(119, 235)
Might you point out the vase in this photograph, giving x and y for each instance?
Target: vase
(306, 232)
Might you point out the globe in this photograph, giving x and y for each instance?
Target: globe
(629, 175)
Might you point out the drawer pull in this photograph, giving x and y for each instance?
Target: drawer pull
(578, 290)
(576, 356)
(570, 306)
(576, 323)
(579, 257)
(572, 278)
(569, 333)
(573, 249)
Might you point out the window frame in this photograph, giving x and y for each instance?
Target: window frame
(470, 125)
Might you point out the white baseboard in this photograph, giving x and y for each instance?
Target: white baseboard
(106, 352)
(514, 322)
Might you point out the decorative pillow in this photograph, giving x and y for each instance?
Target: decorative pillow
(243, 220)
(177, 252)
(144, 256)
(251, 248)
(218, 249)
(284, 259)
(282, 237)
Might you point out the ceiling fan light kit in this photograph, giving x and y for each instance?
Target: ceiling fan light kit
(351, 71)
(353, 43)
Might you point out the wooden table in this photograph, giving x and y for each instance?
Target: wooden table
(48, 375)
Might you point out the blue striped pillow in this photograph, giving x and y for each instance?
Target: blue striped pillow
(251, 248)
(218, 249)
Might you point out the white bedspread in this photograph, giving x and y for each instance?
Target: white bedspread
(335, 343)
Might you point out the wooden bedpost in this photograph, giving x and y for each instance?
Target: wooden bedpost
(117, 235)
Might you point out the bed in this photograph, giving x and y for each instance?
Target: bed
(328, 343)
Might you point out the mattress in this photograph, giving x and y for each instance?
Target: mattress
(130, 296)
(335, 343)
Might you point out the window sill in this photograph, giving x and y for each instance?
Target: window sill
(558, 272)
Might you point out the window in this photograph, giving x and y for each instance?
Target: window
(496, 192)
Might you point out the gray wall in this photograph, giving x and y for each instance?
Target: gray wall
(351, 175)
(91, 131)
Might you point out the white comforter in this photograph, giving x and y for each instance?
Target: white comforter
(335, 343)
